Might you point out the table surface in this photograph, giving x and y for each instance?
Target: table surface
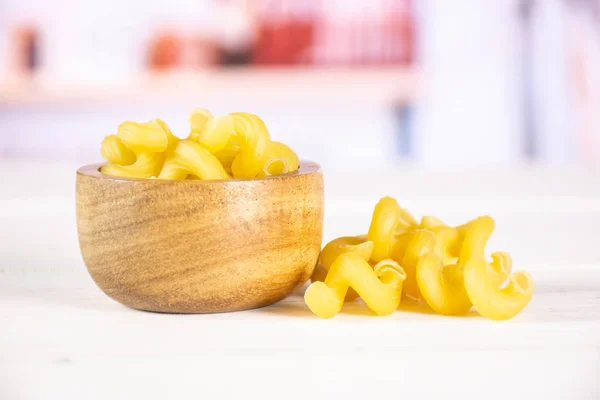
(60, 337)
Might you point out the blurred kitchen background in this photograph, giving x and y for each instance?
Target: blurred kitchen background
(370, 83)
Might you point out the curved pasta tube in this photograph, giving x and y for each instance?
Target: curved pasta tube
(406, 222)
(480, 281)
(279, 159)
(194, 159)
(345, 244)
(216, 133)
(442, 286)
(114, 151)
(501, 264)
(445, 241)
(198, 119)
(246, 165)
(408, 251)
(319, 274)
(172, 140)
(432, 223)
(173, 170)
(254, 137)
(386, 217)
(236, 144)
(147, 165)
(143, 137)
(380, 287)
(476, 235)
(229, 153)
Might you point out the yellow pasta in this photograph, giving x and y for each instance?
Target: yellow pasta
(481, 283)
(254, 138)
(432, 223)
(380, 287)
(199, 117)
(279, 159)
(229, 153)
(356, 244)
(174, 170)
(386, 217)
(406, 222)
(319, 274)
(129, 156)
(215, 134)
(145, 137)
(408, 251)
(446, 240)
(172, 140)
(441, 264)
(345, 244)
(115, 151)
(147, 165)
(441, 285)
(196, 160)
(234, 145)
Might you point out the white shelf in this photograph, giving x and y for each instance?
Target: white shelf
(293, 86)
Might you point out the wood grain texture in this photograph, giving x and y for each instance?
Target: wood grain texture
(200, 246)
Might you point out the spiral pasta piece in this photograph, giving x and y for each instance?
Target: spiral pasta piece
(432, 223)
(386, 217)
(198, 119)
(408, 251)
(147, 165)
(234, 145)
(442, 286)
(143, 137)
(196, 160)
(356, 244)
(229, 153)
(406, 222)
(319, 274)
(254, 138)
(345, 244)
(115, 151)
(172, 140)
(215, 133)
(279, 159)
(480, 280)
(442, 264)
(173, 170)
(380, 287)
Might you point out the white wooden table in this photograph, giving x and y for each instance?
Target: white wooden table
(61, 338)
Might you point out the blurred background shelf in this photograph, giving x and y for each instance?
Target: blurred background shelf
(465, 84)
(380, 86)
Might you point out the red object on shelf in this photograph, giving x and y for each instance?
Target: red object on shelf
(286, 32)
(165, 52)
(378, 32)
(23, 51)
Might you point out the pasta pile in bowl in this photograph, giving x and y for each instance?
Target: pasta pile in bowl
(235, 145)
(430, 261)
(223, 220)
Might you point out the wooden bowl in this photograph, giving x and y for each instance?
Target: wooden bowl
(200, 246)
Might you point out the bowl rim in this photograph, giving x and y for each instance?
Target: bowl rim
(93, 170)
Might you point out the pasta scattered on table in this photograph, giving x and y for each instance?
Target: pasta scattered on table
(430, 261)
(236, 145)
(379, 286)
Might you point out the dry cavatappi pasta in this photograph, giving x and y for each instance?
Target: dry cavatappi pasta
(429, 261)
(236, 145)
